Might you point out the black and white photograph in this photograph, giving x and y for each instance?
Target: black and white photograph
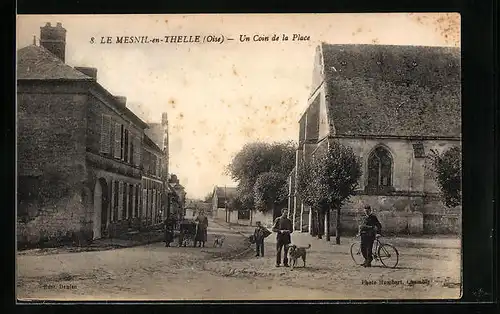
(238, 157)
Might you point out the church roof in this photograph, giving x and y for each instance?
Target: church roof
(37, 63)
(378, 90)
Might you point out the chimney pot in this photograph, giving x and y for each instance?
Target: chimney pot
(92, 72)
(48, 24)
(59, 24)
(121, 100)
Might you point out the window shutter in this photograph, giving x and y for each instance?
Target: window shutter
(144, 200)
(117, 146)
(122, 142)
(126, 146)
(105, 134)
(137, 149)
(158, 166)
(120, 201)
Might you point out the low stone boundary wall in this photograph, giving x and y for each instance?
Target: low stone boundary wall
(401, 223)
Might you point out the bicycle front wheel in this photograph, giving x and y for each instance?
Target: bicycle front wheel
(388, 255)
(356, 255)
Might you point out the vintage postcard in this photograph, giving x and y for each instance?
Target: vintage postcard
(238, 157)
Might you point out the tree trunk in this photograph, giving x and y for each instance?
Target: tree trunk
(328, 218)
(314, 224)
(337, 227)
(321, 220)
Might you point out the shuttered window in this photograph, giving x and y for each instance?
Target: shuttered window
(137, 150)
(158, 165)
(105, 134)
(117, 144)
(120, 201)
(144, 200)
(125, 201)
(125, 146)
(122, 142)
(132, 147)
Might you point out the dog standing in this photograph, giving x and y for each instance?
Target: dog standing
(296, 252)
(219, 241)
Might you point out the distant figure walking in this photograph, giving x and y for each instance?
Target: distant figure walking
(201, 231)
(170, 223)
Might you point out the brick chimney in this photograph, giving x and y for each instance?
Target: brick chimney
(92, 72)
(121, 100)
(54, 39)
(164, 119)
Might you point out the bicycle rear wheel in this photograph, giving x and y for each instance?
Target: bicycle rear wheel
(388, 255)
(356, 255)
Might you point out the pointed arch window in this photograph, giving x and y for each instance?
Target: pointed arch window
(379, 169)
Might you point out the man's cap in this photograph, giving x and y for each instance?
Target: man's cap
(368, 207)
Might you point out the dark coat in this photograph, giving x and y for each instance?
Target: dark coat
(283, 223)
(370, 225)
(201, 230)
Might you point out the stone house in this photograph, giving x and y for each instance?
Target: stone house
(79, 149)
(158, 133)
(221, 197)
(153, 185)
(221, 209)
(392, 105)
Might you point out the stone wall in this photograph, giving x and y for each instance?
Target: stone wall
(51, 163)
(445, 223)
(62, 221)
(392, 222)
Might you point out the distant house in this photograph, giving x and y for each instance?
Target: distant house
(221, 198)
(222, 209)
(392, 105)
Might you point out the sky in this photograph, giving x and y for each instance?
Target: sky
(220, 96)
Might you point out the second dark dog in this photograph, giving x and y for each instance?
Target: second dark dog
(295, 252)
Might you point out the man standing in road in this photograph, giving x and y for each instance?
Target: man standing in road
(283, 228)
(368, 230)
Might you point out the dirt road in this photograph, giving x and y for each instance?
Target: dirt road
(153, 272)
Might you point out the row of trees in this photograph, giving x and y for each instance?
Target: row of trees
(261, 170)
(325, 182)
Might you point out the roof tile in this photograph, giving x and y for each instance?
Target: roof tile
(37, 63)
(393, 90)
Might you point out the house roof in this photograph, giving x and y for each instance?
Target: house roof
(37, 63)
(222, 192)
(151, 144)
(155, 132)
(377, 90)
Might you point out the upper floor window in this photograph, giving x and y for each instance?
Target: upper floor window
(105, 134)
(379, 169)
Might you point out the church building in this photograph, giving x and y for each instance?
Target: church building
(392, 105)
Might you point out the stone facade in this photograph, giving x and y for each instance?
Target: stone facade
(400, 187)
(80, 149)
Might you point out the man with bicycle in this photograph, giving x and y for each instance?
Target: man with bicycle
(369, 229)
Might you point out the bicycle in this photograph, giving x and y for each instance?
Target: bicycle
(382, 252)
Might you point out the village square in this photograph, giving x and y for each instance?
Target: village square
(369, 188)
